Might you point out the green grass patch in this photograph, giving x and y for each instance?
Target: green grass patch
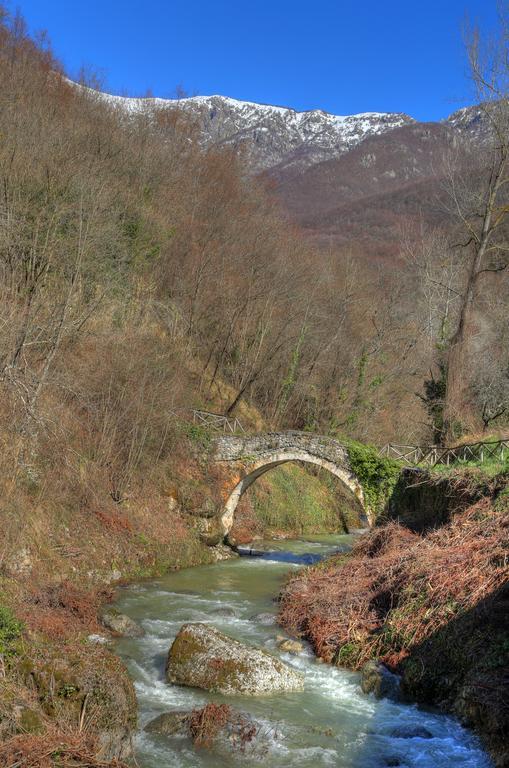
(488, 469)
(198, 434)
(289, 498)
(10, 631)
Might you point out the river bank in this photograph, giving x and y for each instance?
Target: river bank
(331, 721)
(431, 606)
(53, 588)
(62, 685)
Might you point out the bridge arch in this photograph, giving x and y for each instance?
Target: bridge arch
(251, 457)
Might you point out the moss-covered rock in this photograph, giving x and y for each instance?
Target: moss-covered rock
(378, 680)
(203, 657)
(173, 723)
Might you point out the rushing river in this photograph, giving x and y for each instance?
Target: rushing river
(332, 723)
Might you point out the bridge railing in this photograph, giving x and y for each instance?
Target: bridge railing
(429, 456)
(217, 421)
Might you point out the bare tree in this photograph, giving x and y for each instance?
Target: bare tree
(436, 272)
(490, 389)
(478, 180)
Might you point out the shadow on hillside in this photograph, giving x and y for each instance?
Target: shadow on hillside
(421, 502)
(465, 666)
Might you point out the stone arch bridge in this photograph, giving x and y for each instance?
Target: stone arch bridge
(243, 459)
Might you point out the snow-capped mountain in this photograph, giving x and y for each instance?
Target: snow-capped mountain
(283, 139)
(344, 179)
(274, 135)
(270, 134)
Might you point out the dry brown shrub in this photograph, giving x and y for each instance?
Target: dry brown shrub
(61, 610)
(385, 540)
(206, 723)
(53, 750)
(397, 588)
(114, 520)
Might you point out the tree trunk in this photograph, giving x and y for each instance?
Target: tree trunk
(455, 391)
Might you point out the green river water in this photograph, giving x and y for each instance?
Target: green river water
(331, 723)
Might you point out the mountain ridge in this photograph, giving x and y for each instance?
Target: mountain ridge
(272, 134)
(280, 137)
(341, 178)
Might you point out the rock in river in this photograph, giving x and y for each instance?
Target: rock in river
(215, 726)
(377, 679)
(170, 723)
(267, 619)
(203, 657)
(120, 623)
(290, 646)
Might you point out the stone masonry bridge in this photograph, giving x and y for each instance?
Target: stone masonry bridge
(245, 458)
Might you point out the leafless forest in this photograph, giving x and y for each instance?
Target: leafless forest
(141, 274)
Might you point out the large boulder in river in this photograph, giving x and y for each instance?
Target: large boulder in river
(203, 657)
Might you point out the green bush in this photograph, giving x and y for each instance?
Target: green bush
(10, 630)
(198, 434)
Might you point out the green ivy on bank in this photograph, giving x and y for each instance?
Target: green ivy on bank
(377, 475)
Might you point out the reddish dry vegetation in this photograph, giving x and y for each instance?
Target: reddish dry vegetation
(398, 588)
(62, 611)
(53, 750)
(434, 608)
(206, 724)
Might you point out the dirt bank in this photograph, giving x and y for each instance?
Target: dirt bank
(433, 607)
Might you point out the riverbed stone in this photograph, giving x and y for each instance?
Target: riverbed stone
(267, 619)
(234, 732)
(120, 623)
(225, 611)
(288, 645)
(378, 680)
(173, 723)
(222, 552)
(203, 657)
(411, 732)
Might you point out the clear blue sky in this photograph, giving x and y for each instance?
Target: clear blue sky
(343, 56)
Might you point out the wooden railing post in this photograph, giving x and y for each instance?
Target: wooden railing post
(431, 456)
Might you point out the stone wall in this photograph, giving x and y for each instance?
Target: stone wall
(235, 447)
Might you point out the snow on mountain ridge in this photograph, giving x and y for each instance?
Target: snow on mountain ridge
(137, 103)
(276, 136)
(272, 107)
(271, 134)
